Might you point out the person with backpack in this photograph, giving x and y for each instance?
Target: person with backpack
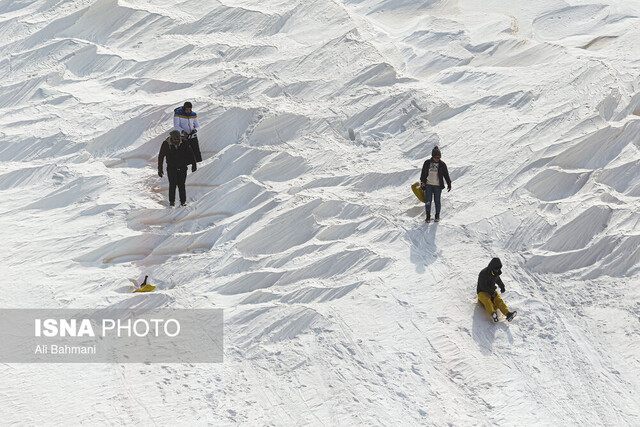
(488, 296)
(179, 156)
(185, 120)
(434, 174)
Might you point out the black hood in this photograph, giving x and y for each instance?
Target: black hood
(495, 264)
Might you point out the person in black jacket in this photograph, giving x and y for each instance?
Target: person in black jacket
(179, 156)
(488, 278)
(434, 173)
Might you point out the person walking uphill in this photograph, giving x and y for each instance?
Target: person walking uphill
(434, 173)
(185, 120)
(179, 156)
(488, 278)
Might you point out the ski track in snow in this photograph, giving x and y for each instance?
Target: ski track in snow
(341, 306)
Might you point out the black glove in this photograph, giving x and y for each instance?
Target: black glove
(449, 189)
(502, 290)
(193, 168)
(160, 174)
(422, 185)
(193, 131)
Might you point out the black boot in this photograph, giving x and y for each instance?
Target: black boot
(437, 218)
(495, 316)
(511, 315)
(428, 219)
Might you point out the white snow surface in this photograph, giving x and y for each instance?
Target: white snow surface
(342, 307)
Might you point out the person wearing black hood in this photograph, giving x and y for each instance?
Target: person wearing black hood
(179, 156)
(434, 174)
(488, 278)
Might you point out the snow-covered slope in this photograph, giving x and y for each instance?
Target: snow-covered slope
(341, 306)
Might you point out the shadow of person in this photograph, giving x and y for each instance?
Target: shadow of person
(423, 249)
(484, 329)
(432, 229)
(483, 332)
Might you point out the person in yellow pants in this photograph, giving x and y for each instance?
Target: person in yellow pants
(488, 278)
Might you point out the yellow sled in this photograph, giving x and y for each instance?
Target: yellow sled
(419, 192)
(145, 288)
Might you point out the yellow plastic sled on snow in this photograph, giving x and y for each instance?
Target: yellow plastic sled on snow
(145, 288)
(419, 192)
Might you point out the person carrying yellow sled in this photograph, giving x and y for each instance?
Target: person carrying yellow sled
(488, 278)
(434, 174)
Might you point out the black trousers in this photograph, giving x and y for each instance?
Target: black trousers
(177, 177)
(195, 147)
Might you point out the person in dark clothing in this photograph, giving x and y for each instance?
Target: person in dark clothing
(434, 174)
(185, 120)
(179, 156)
(488, 278)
